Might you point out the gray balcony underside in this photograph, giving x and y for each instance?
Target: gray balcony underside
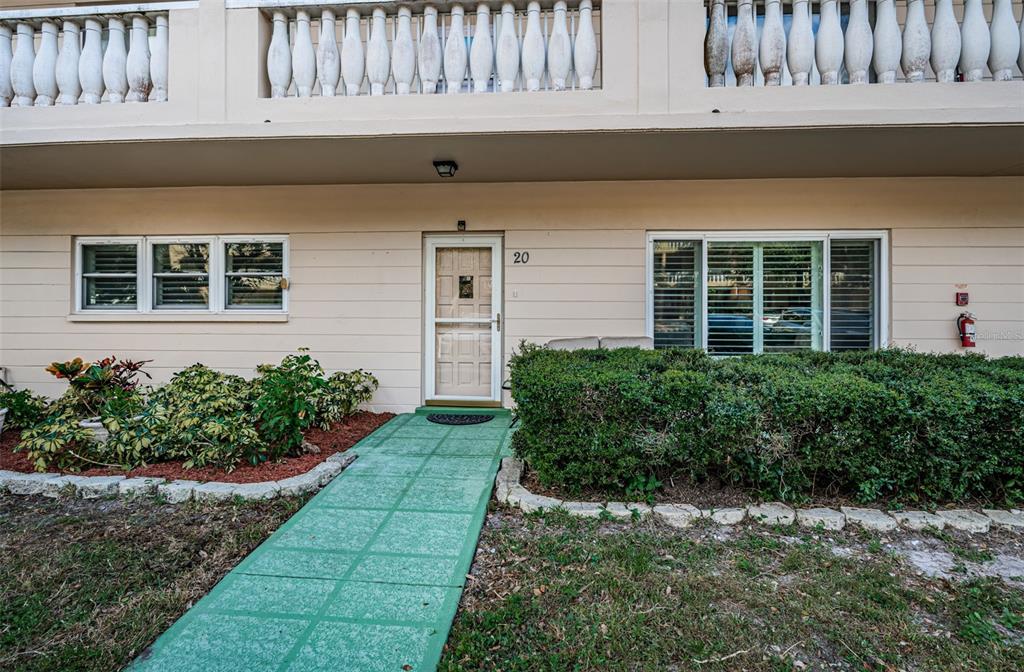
(984, 150)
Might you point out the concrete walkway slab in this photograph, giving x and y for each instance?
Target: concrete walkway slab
(367, 576)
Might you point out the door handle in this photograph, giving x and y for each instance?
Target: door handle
(497, 321)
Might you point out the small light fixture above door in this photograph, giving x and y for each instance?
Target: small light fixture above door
(446, 168)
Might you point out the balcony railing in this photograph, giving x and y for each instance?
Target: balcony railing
(862, 41)
(355, 48)
(107, 53)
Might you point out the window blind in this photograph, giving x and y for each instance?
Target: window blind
(852, 312)
(765, 297)
(677, 273)
(730, 298)
(181, 275)
(791, 296)
(253, 274)
(110, 276)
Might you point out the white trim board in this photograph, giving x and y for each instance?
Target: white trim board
(96, 10)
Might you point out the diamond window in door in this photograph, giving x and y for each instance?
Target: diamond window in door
(463, 291)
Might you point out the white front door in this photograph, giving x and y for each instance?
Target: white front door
(463, 318)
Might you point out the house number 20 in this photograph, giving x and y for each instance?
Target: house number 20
(520, 257)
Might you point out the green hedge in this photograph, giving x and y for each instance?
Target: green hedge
(886, 424)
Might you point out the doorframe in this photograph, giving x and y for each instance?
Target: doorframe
(430, 245)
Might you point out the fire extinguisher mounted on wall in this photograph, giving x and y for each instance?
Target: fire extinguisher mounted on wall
(965, 327)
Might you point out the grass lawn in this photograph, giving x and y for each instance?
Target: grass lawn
(556, 593)
(87, 584)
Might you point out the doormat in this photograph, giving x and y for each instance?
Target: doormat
(459, 418)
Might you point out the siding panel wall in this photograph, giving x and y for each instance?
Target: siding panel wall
(356, 263)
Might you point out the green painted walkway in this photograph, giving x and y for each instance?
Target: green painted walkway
(366, 577)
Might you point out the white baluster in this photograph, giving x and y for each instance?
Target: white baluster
(6, 56)
(67, 65)
(21, 66)
(507, 49)
(115, 59)
(859, 44)
(44, 69)
(533, 48)
(560, 48)
(279, 58)
(800, 47)
(403, 58)
(744, 47)
(888, 42)
(429, 54)
(1005, 42)
(716, 44)
(828, 45)
(328, 59)
(481, 55)
(975, 42)
(353, 60)
(1020, 56)
(584, 54)
(158, 61)
(772, 50)
(303, 56)
(90, 65)
(455, 55)
(378, 59)
(945, 42)
(917, 42)
(139, 81)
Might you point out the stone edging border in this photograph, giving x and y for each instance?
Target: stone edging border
(174, 492)
(508, 490)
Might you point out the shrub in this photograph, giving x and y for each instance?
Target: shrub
(886, 424)
(286, 401)
(58, 441)
(294, 395)
(343, 394)
(202, 417)
(24, 409)
(106, 390)
(107, 387)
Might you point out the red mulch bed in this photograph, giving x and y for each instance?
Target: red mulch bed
(339, 438)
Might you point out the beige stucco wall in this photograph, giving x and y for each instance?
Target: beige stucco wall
(356, 263)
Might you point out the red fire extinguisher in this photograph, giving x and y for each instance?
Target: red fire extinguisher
(968, 333)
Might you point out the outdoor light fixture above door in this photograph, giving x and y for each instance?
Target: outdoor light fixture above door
(446, 168)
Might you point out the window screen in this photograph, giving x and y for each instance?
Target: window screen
(791, 296)
(730, 298)
(853, 312)
(181, 275)
(253, 275)
(676, 297)
(110, 276)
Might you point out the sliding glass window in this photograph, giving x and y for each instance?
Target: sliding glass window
(736, 297)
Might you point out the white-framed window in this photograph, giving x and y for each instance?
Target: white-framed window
(735, 293)
(108, 273)
(181, 274)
